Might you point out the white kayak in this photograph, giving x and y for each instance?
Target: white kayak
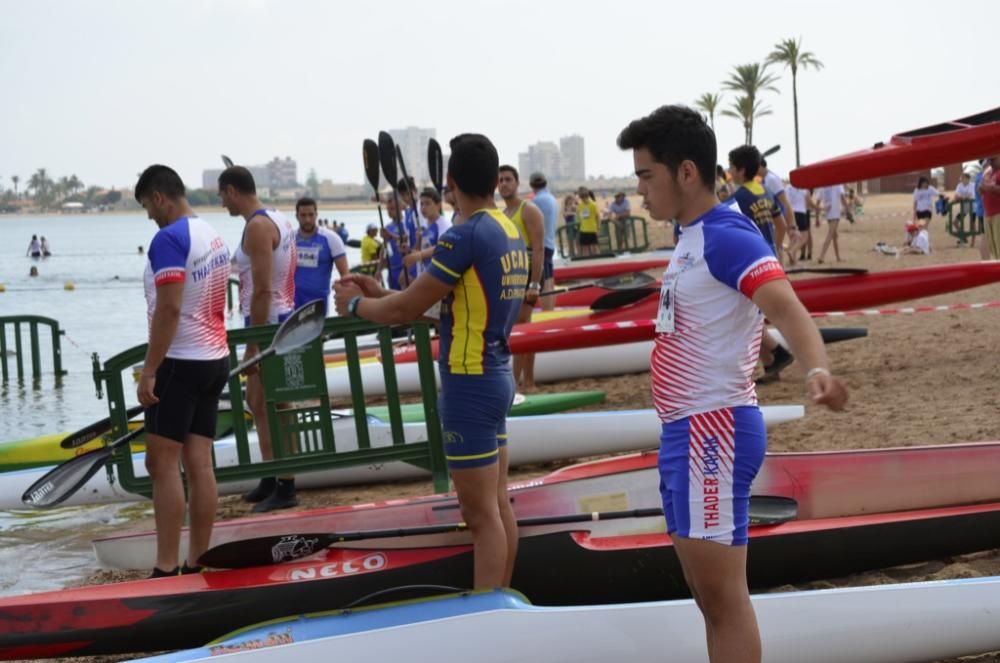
(596, 361)
(877, 624)
(536, 439)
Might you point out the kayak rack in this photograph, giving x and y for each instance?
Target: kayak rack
(33, 322)
(298, 409)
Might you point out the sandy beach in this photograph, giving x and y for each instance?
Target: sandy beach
(925, 378)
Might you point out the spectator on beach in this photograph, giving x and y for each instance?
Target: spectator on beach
(319, 250)
(918, 240)
(266, 258)
(852, 204)
(723, 187)
(531, 224)
(185, 368)
(753, 201)
(802, 202)
(371, 248)
(569, 220)
(923, 200)
(588, 216)
(830, 201)
(618, 212)
(980, 213)
(34, 247)
(783, 217)
(989, 189)
(549, 207)
(965, 196)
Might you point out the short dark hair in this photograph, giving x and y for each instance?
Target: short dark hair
(401, 185)
(239, 178)
(431, 193)
(674, 134)
(507, 168)
(162, 179)
(923, 180)
(763, 161)
(305, 201)
(747, 159)
(474, 164)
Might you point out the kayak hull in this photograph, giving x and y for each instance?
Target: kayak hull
(824, 484)
(966, 139)
(900, 622)
(560, 568)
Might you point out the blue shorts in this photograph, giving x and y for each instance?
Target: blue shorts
(395, 276)
(474, 417)
(707, 463)
(548, 271)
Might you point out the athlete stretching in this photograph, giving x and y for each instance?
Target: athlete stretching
(708, 332)
(480, 270)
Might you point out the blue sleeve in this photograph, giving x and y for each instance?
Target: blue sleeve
(335, 244)
(733, 249)
(169, 248)
(453, 255)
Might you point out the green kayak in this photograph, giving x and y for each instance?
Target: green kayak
(524, 406)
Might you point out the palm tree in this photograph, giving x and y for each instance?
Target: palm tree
(15, 179)
(789, 53)
(709, 103)
(74, 183)
(747, 111)
(750, 79)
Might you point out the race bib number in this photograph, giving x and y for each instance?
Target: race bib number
(308, 256)
(665, 313)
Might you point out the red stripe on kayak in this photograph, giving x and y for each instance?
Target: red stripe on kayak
(61, 615)
(42, 651)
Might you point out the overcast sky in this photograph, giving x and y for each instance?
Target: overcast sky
(101, 89)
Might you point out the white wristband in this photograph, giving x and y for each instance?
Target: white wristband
(813, 372)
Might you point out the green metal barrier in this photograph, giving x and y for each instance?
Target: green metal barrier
(32, 322)
(964, 223)
(304, 434)
(629, 234)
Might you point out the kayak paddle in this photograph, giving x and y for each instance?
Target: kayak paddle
(260, 551)
(827, 270)
(619, 282)
(227, 161)
(303, 326)
(94, 430)
(387, 157)
(435, 164)
(620, 298)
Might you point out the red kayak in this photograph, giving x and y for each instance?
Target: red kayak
(603, 268)
(969, 138)
(556, 568)
(635, 322)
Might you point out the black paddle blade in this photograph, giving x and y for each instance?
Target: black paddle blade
(838, 334)
(369, 152)
(302, 327)
(771, 151)
(620, 298)
(227, 161)
(772, 510)
(387, 157)
(435, 164)
(265, 550)
(94, 430)
(827, 270)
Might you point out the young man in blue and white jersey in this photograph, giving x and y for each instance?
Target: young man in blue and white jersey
(437, 225)
(319, 250)
(186, 364)
(722, 280)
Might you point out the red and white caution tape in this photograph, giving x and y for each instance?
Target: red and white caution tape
(906, 310)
